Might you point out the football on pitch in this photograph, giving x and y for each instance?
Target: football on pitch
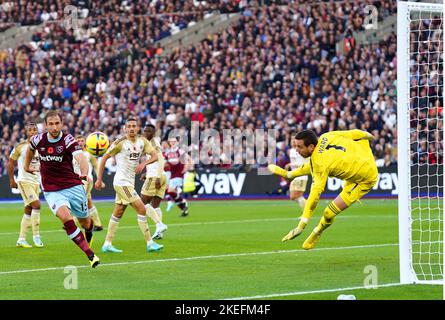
(97, 143)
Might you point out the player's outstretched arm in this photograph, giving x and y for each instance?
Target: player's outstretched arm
(355, 134)
(300, 171)
(94, 165)
(83, 163)
(153, 158)
(100, 172)
(277, 170)
(28, 157)
(11, 165)
(303, 170)
(318, 185)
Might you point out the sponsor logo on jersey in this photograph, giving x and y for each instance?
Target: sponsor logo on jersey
(134, 156)
(51, 158)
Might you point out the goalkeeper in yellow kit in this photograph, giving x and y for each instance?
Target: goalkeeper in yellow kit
(341, 154)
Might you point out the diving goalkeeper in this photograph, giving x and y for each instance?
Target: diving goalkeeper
(341, 154)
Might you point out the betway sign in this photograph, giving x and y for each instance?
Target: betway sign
(386, 181)
(222, 183)
(233, 183)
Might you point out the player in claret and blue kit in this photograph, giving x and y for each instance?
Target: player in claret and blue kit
(63, 189)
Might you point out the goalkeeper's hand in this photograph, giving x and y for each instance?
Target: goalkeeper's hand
(278, 171)
(292, 234)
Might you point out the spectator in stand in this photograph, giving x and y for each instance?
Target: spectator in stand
(277, 68)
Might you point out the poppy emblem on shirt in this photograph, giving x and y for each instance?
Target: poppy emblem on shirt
(50, 150)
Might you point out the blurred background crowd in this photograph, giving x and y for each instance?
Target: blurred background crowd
(279, 67)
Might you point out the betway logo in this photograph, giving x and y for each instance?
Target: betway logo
(386, 182)
(51, 158)
(222, 183)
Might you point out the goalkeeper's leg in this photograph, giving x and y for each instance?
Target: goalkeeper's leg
(351, 193)
(329, 214)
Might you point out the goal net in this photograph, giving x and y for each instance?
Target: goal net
(420, 141)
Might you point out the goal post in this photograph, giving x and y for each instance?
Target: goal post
(420, 56)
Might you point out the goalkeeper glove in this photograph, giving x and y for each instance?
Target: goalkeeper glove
(278, 171)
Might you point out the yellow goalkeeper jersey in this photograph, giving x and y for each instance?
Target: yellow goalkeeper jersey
(341, 154)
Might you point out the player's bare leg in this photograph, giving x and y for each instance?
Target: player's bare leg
(329, 214)
(74, 233)
(115, 218)
(142, 213)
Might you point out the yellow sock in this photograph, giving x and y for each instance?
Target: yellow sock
(303, 223)
(328, 217)
(24, 226)
(112, 227)
(143, 226)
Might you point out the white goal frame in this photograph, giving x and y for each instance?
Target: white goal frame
(407, 272)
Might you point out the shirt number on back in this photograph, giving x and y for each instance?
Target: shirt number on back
(333, 146)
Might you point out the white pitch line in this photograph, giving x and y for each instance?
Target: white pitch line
(182, 224)
(230, 255)
(298, 293)
(212, 222)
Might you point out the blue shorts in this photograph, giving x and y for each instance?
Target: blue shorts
(75, 198)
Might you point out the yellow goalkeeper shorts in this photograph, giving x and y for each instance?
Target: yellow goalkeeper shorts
(353, 191)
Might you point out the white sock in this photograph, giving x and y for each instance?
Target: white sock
(112, 227)
(159, 213)
(35, 222)
(150, 211)
(24, 226)
(95, 216)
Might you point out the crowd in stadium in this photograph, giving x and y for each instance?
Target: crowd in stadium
(277, 68)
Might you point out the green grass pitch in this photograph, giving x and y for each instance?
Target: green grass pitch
(223, 250)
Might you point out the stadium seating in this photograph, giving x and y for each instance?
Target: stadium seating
(278, 67)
